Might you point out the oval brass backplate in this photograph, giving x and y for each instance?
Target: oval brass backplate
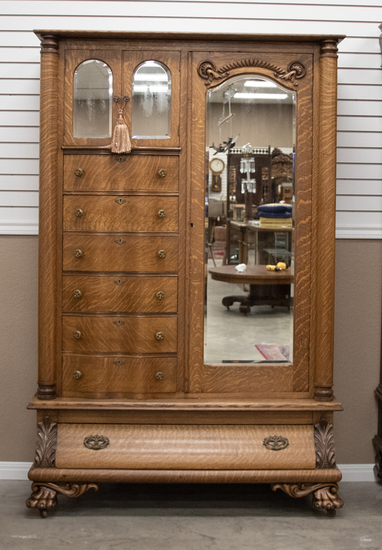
(96, 442)
(275, 442)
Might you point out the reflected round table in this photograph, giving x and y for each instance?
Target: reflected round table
(265, 287)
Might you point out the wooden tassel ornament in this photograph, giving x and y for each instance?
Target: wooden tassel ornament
(121, 140)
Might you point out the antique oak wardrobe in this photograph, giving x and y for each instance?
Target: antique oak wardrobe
(144, 374)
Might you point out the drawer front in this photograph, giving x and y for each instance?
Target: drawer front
(106, 173)
(120, 213)
(119, 334)
(91, 293)
(195, 447)
(132, 253)
(83, 374)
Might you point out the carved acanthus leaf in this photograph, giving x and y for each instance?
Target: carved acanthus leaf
(324, 444)
(210, 73)
(46, 444)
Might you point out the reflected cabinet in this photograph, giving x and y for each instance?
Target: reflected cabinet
(186, 281)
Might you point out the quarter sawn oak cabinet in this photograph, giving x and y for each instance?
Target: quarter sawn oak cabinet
(148, 372)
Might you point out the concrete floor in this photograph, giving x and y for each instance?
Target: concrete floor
(191, 517)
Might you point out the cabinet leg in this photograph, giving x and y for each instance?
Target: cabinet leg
(44, 495)
(325, 495)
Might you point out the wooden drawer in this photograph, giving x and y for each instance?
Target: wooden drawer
(106, 173)
(135, 213)
(83, 374)
(92, 293)
(119, 334)
(187, 447)
(132, 253)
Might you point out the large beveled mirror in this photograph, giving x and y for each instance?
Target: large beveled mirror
(249, 242)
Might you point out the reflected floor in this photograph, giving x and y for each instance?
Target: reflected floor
(231, 335)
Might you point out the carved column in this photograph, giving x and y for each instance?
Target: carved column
(47, 220)
(326, 201)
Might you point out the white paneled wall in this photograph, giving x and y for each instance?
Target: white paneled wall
(359, 166)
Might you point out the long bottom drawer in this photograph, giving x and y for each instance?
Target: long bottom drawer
(274, 447)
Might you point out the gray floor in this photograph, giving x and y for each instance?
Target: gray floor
(230, 335)
(191, 517)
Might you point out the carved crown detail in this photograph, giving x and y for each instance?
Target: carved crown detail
(208, 71)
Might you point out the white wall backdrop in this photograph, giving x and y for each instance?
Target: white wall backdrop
(359, 153)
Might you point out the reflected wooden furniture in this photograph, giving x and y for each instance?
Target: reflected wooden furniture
(265, 287)
(248, 229)
(124, 394)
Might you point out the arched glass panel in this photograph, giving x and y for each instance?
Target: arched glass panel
(92, 103)
(151, 108)
(249, 223)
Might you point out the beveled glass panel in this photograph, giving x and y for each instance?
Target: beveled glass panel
(151, 105)
(250, 152)
(92, 105)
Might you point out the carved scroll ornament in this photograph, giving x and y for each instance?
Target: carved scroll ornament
(324, 444)
(207, 70)
(46, 444)
(44, 495)
(325, 495)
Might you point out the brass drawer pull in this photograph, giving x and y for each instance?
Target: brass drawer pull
(119, 362)
(159, 295)
(119, 322)
(276, 443)
(162, 173)
(159, 376)
(119, 282)
(77, 335)
(78, 253)
(77, 293)
(159, 336)
(96, 442)
(161, 254)
(77, 374)
(120, 201)
(119, 241)
(79, 172)
(161, 214)
(79, 213)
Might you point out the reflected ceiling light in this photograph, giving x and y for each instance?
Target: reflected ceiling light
(145, 87)
(259, 84)
(245, 95)
(150, 77)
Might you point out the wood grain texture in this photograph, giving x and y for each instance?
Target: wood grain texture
(251, 378)
(107, 294)
(47, 219)
(105, 173)
(136, 334)
(137, 213)
(326, 199)
(183, 417)
(187, 476)
(192, 402)
(102, 376)
(185, 447)
(136, 253)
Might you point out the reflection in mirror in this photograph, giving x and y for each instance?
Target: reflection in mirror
(92, 105)
(151, 108)
(249, 261)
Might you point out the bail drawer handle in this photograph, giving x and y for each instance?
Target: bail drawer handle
(77, 334)
(159, 295)
(96, 442)
(77, 375)
(79, 172)
(78, 253)
(79, 213)
(77, 293)
(159, 336)
(161, 254)
(159, 376)
(276, 443)
(162, 173)
(161, 214)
